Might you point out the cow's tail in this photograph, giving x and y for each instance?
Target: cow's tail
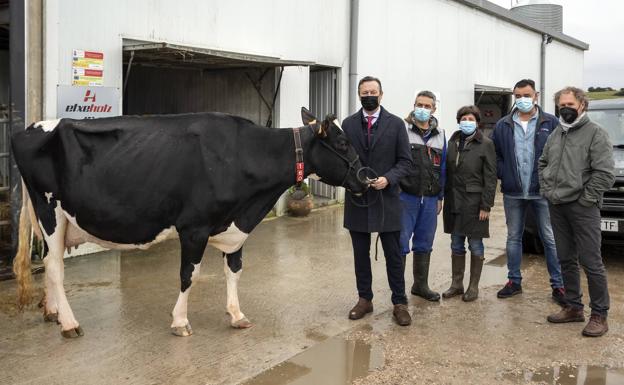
(21, 263)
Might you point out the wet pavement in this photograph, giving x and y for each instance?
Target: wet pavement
(297, 287)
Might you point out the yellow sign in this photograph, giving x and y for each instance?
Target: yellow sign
(87, 68)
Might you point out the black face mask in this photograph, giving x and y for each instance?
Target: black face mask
(370, 103)
(568, 114)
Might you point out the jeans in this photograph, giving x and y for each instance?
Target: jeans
(458, 245)
(578, 237)
(515, 214)
(395, 265)
(419, 222)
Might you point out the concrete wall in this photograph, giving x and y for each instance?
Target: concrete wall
(448, 48)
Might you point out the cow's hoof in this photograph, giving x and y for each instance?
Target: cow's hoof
(242, 323)
(51, 317)
(73, 333)
(182, 331)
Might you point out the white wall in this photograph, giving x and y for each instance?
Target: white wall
(310, 30)
(448, 48)
(564, 67)
(294, 94)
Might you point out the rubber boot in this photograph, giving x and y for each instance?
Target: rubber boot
(476, 266)
(421, 277)
(458, 264)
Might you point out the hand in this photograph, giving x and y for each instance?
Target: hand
(439, 206)
(483, 215)
(380, 183)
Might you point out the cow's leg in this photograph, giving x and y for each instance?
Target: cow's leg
(193, 243)
(56, 300)
(233, 267)
(48, 302)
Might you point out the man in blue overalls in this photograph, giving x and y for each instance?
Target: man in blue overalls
(422, 193)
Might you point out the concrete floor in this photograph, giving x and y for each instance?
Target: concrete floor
(297, 287)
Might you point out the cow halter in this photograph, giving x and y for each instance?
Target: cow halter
(299, 165)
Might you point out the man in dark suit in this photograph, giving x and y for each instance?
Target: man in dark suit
(380, 140)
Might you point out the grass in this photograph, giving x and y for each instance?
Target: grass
(603, 95)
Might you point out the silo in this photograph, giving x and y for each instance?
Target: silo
(542, 12)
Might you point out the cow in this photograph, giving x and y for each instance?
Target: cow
(129, 182)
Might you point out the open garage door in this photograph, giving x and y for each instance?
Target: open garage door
(164, 78)
(494, 103)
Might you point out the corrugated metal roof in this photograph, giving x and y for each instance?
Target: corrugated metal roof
(175, 55)
(505, 14)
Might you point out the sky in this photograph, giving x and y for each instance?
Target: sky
(600, 23)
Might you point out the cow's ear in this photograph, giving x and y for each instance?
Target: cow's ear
(307, 117)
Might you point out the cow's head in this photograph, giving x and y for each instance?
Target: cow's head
(331, 156)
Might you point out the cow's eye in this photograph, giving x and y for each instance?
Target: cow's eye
(342, 145)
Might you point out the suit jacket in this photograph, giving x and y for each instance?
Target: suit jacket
(389, 155)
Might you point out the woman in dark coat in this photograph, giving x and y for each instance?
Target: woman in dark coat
(469, 195)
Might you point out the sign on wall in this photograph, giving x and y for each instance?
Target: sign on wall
(87, 68)
(87, 102)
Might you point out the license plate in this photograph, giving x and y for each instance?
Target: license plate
(609, 225)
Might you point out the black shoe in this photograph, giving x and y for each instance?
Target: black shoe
(509, 290)
(558, 295)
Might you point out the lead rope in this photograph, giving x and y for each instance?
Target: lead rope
(379, 198)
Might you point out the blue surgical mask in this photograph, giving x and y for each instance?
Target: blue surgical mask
(524, 104)
(467, 126)
(422, 114)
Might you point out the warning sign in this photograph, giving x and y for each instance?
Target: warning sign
(87, 68)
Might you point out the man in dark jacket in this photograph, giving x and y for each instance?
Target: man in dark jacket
(519, 139)
(422, 193)
(380, 140)
(575, 170)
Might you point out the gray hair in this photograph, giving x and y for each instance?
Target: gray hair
(578, 93)
(427, 94)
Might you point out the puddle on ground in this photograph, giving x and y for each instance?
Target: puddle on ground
(335, 361)
(570, 375)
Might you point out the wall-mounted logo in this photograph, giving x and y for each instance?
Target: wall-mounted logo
(88, 96)
(87, 102)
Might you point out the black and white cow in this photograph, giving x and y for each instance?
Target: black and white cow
(127, 182)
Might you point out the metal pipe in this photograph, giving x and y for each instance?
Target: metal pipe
(545, 40)
(128, 72)
(353, 41)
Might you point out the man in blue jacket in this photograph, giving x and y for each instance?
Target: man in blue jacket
(519, 139)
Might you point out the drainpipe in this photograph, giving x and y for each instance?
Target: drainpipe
(353, 75)
(546, 39)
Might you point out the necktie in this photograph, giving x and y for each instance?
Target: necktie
(369, 123)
